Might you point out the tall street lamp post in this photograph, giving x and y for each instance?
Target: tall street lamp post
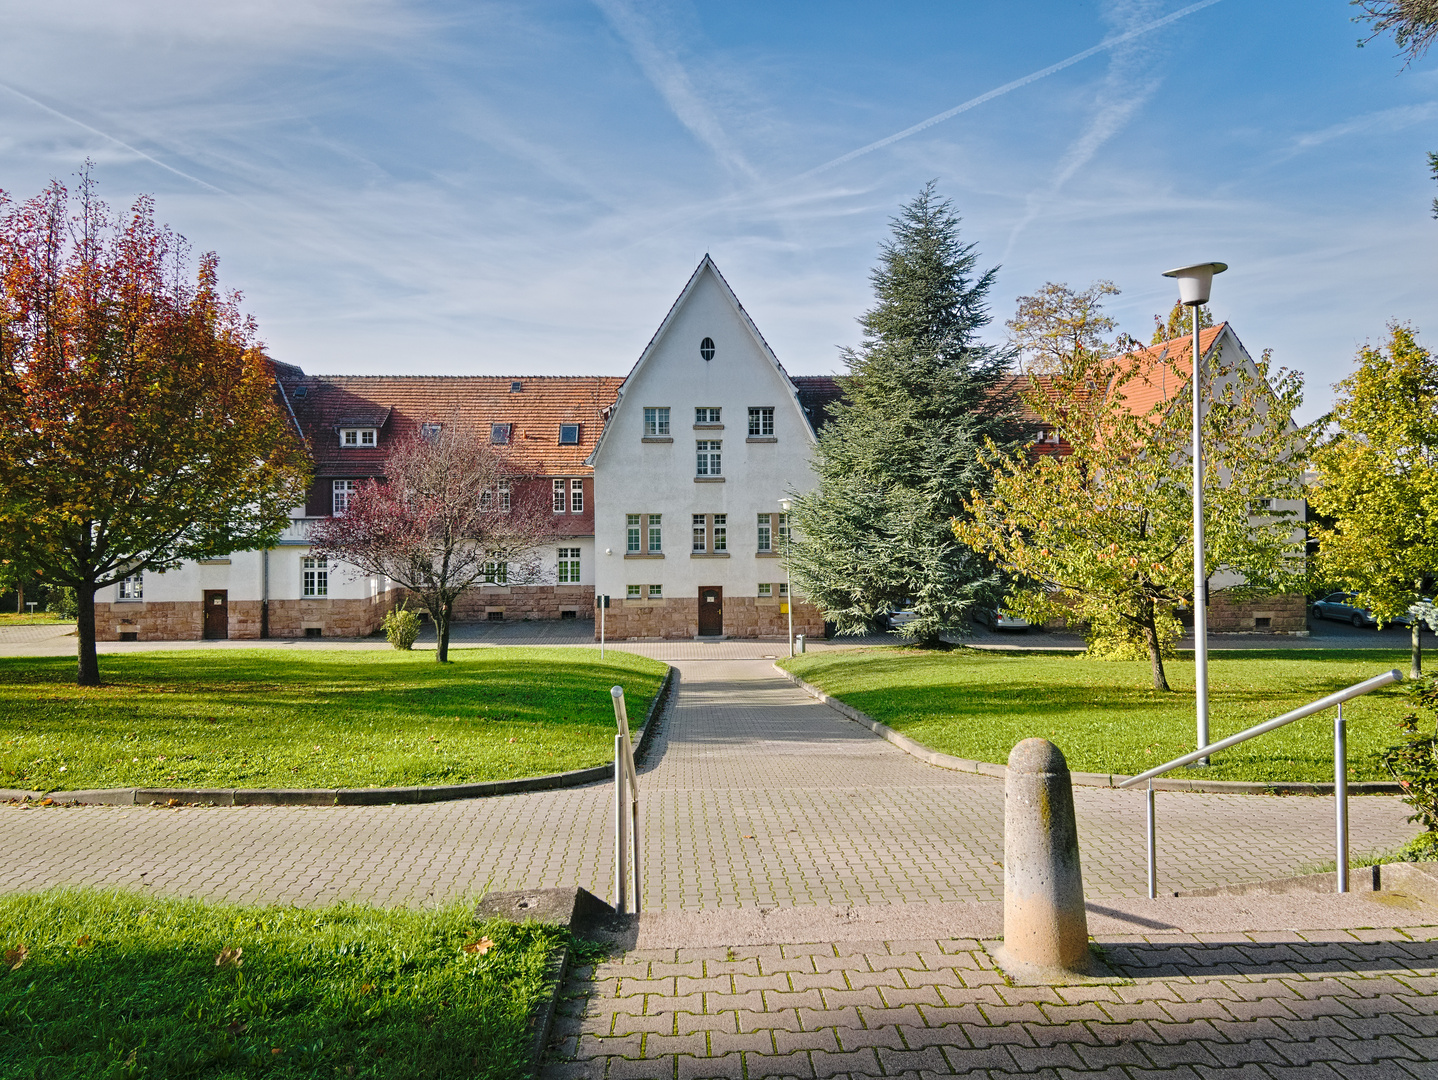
(785, 504)
(1194, 285)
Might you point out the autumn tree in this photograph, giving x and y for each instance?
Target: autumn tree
(1179, 323)
(138, 419)
(1103, 535)
(1413, 24)
(1378, 481)
(451, 513)
(902, 451)
(1058, 326)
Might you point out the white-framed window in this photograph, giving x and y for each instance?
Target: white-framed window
(656, 592)
(315, 577)
(576, 496)
(656, 537)
(568, 434)
(700, 533)
(429, 432)
(499, 434)
(633, 592)
(342, 492)
(559, 490)
(486, 500)
(569, 566)
(766, 589)
(761, 422)
(504, 496)
(656, 421)
(496, 573)
(706, 414)
(132, 587)
(781, 528)
(783, 588)
(707, 457)
(633, 533)
(721, 532)
(365, 436)
(765, 533)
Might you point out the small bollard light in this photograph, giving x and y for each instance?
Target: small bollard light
(799, 643)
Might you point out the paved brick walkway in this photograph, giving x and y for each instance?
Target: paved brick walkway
(1247, 1007)
(755, 796)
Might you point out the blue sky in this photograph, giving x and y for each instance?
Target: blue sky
(494, 188)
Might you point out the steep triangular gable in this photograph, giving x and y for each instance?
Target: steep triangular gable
(706, 266)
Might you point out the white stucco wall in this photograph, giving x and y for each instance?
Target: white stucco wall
(241, 574)
(632, 476)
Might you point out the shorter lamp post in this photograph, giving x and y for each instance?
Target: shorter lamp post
(784, 505)
(1194, 285)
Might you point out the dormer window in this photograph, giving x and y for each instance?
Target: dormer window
(430, 432)
(568, 434)
(499, 434)
(516, 387)
(366, 436)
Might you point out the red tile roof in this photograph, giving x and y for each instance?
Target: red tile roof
(399, 404)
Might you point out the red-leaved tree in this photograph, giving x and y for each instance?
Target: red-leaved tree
(451, 513)
(139, 424)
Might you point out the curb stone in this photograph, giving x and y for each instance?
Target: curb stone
(354, 796)
(1081, 779)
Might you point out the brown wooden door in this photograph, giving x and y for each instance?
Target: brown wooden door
(711, 611)
(217, 614)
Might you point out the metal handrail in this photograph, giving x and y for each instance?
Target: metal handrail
(626, 810)
(1337, 698)
(1340, 766)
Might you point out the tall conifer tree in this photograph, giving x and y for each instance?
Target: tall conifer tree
(901, 453)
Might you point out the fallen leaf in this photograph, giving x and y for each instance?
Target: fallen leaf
(236, 1028)
(748, 836)
(173, 802)
(83, 941)
(366, 988)
(230, 957)
(480, 947)
(16, 956)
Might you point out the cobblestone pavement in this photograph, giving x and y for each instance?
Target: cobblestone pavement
(754, 794)
(1316, 1006)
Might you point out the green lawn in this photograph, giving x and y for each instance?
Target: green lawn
(33, 618)
(113, 985)
(1106, 717)
(275, 718)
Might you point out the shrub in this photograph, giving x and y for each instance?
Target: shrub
(401, 626)
(1414, 761)
(63, 603)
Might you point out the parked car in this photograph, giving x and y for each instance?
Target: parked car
(899, 616)
(1000, 619)
(1343, 607)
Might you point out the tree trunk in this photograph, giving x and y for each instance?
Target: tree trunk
(88, 669)
(19, 598)
(1415, 671)
(1155, 651)
(441, 632)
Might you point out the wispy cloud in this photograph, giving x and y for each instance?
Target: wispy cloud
(662, 67)
(1115, 42)
(1127, 86)
(1384, 120)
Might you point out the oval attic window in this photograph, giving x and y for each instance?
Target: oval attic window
(706, 348)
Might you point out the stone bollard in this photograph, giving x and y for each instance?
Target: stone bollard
(1045, 927)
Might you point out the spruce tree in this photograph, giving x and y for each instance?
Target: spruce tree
(902, 451)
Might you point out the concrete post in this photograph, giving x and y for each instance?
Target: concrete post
(1045, 927)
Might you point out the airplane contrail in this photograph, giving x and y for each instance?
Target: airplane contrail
(1108, 43)
(118, 142)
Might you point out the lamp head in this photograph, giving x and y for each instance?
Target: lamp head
(784, 504)
(1195, 282)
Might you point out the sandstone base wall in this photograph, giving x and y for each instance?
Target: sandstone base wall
(744, 617)
(1283, 614)
(183, 620)
(521, 602)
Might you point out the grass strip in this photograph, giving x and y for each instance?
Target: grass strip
(1106, 717)
(111, 985)
(323, 719)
